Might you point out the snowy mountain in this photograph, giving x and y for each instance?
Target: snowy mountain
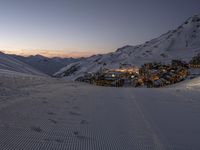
(45, 64)
(181, 43)
(8, 62)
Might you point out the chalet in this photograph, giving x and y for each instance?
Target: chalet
(194, 65)
(150, 75)
(88, 77)
(195, 62)
(180, 63)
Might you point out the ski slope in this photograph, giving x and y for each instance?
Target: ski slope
(55, 114)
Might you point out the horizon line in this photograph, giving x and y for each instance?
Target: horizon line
(50, 53)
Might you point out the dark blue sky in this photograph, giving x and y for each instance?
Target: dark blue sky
(80, 27)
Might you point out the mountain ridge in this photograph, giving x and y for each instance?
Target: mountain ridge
(180, 43)
(7, 62)
(46, 64)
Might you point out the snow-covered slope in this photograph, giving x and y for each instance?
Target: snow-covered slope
(45, 64)
(9, 63)
(181, 43)
(13, 79)
(75, 116)
(190, 84)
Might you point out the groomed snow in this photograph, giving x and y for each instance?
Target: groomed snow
(54, 114)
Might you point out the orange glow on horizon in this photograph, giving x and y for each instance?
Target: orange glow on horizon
(50, 53)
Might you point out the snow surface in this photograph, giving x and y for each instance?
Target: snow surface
(39, 112)
(191, 84)
(54, 114)
(182, 43)
(12, 79)
(45, 64)
(9, 63)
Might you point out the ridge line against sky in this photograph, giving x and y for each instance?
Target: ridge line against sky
(78, 28)
(51, 53)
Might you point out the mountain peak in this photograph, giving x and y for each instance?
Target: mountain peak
(126, 47)
(181, 43)
(192, 20)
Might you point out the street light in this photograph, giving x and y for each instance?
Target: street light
(113, 75)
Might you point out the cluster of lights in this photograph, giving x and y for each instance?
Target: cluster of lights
(129, 70)
(126, 70)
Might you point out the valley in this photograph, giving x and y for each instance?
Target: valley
(92, 103)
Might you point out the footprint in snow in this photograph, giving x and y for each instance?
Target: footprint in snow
(79, 136)
(53, 121)
(59, 140)
(47, 140)
(76, 107)
(84, 122)
(55, 140)
(36, 129)
(51, 113)
(74, 113)
(45, 102)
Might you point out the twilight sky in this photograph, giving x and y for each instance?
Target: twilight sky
(84, 27)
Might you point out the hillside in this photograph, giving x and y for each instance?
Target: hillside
(45, 64)
(191, 84)
(8, 62)
(181, 43)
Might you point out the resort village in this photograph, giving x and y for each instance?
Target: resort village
(149, 75)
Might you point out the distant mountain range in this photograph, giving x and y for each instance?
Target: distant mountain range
(181, 43)
(44, 64)
(10, 63)
(35, 65)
